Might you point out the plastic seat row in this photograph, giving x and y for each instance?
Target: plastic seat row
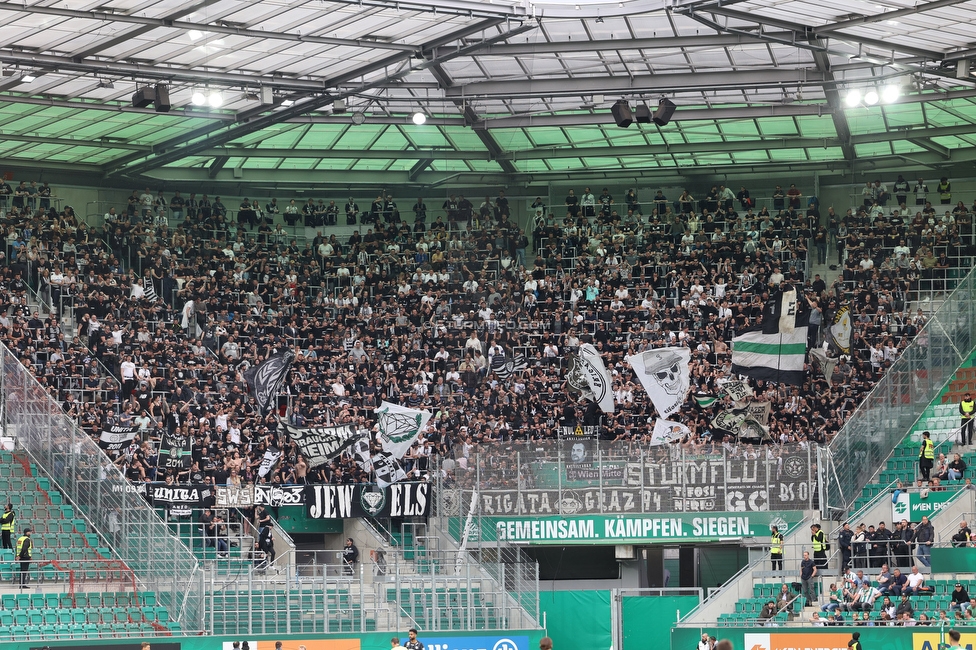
(82, 615)
(80, 600)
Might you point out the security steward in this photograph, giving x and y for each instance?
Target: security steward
(8, 523)
(25, 549)
(819, 540)
(776, 548)
(967, 408)
(926, 456)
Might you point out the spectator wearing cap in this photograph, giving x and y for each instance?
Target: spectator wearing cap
(959, 598)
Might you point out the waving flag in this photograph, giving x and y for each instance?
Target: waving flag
(265, 379)
(776, 350)
(664, 374)
(504, 366)
(596, 376)
(840, 331)
(400, 426)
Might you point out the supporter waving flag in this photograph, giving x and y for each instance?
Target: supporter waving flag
(664, 374)
(776, 349)
(504, 366)
(596, 377)
(400, 426)
(265, 379)
(840, 330)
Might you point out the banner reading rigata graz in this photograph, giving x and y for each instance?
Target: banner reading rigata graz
(653, 483)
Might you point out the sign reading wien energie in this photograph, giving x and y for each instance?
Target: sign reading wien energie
(632, 529)
(795, 641)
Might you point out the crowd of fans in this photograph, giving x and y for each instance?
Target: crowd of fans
(173, 298)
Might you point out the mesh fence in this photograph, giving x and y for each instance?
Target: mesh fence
(900, 398)
(585, 476)
(77, 466)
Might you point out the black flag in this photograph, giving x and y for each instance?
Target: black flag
(264, 380)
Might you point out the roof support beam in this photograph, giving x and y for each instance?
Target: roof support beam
(416, 170)
(934, 147)
(584, 152)
(494, 149)
(887, 15)
(75, 142)
(833, 100)
(144, 28)
(804, 33)
(659, 83)
(180, 147)
(53, 62)
(172, 22)
(217, 165)
(567, 47)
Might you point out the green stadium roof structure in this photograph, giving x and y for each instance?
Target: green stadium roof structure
(512, 90)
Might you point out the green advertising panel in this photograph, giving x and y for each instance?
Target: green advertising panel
(819, 638)
(625, 529)
(913, 505)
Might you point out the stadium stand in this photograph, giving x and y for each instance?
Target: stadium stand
(78, 590)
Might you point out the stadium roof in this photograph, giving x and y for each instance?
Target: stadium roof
(511, 90)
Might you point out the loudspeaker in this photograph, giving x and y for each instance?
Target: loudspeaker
(339, 106)
(664, 112)
(161, 100)
(622, 114)
(143, 97)
(643, 114)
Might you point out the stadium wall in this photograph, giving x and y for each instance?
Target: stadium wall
(482, 640)
(830, 638)
(583, 618)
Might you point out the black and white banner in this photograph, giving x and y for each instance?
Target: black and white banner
(246, 496)
(664, 374)
(175, 452)
(190, 496)
(732, 485)
(737, 389)
(319, 445)
(271, 458)
(349, 501)
(265, 379)
(387, 469)
(117, 438)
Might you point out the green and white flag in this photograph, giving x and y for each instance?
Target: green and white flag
(399, 427)
(776, 349)
(771, 357)
(705, 400)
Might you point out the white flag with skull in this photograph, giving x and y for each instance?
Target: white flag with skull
(664, 374)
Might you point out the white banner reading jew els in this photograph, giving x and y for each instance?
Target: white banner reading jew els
(663, 372)
(596, 376)
(400, 426)
(737, 390)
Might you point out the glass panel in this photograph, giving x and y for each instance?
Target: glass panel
(873, 149)
(777, 126)
(787, 154)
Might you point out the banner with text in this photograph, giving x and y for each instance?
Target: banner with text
(786, 482)
(626, 529)
(913, 505)
(116, 437)
(345, 501)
